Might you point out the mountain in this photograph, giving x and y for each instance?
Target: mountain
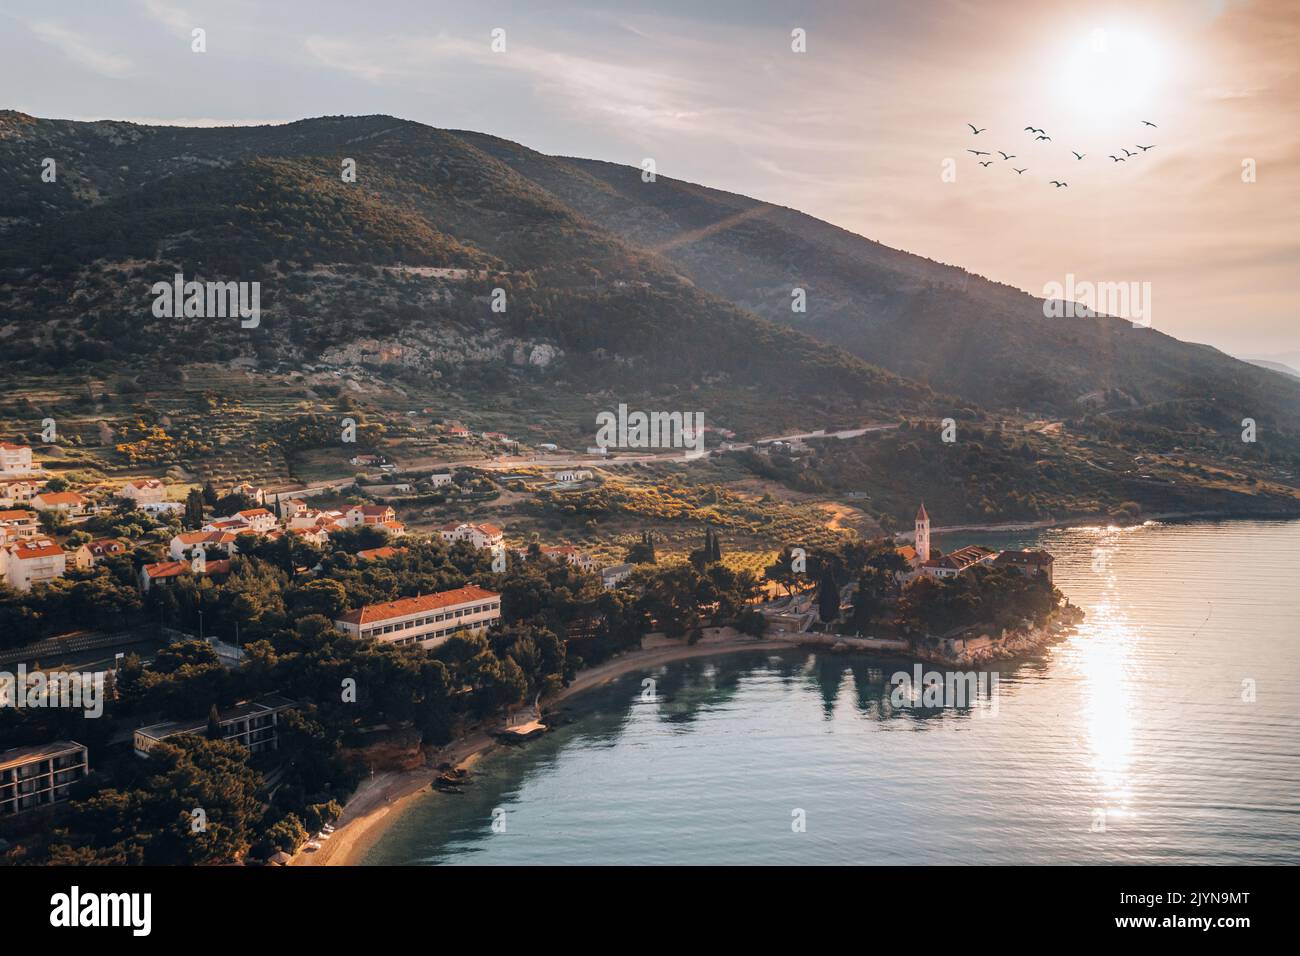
(406, 258)
(1278, 367)
(936, 323)
(468, 272)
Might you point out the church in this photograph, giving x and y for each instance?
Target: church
(944, 566)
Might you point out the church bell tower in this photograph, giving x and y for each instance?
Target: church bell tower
(922, 535)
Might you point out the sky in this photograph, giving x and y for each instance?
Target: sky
(865, 128)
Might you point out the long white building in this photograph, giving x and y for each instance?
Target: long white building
(427, 620)
(32, 777)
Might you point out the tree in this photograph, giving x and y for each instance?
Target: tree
(643, 552)
(828, 597)
(194, 509)
(214, 724)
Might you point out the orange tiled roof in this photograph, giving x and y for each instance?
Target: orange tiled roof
(36, 548)
(373, 613)
(62, 498)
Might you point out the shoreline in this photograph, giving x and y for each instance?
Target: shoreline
(1088, 521)
(380, 800)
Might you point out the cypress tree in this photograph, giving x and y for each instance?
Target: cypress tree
(214, 723)
(828, 598)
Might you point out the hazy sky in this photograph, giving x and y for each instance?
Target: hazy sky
(856, 130)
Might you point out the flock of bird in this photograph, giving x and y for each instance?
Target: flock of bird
(1040, 135)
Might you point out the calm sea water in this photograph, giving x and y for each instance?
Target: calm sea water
(1129, 743)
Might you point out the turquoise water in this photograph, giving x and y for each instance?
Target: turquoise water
(1128, 743)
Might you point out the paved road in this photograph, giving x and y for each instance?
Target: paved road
(510, 462)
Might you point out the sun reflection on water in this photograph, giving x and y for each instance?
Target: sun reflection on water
(1103, 657)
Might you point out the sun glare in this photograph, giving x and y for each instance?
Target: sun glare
(1111, 72)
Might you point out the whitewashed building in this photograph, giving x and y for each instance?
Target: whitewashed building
(427, 620)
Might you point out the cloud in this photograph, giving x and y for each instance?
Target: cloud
(82, 49)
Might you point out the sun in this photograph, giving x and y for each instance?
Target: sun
(1112, 71)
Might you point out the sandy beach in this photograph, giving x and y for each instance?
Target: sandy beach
(380, 799)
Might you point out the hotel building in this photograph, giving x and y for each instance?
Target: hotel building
(427, 620)
(32, 777)
(253, 723)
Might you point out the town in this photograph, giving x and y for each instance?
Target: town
(319, 637)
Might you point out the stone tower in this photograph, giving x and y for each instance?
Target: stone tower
(922, 535)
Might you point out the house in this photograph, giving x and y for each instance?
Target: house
(165, 572)
(259, 519)
(379, 554)
(317, 536)
(292, 508)
(427, 620)
(955, 562)
(19, 523)
(17, 492)
(600, 450)
(456, 429)
(307, 518)
(479, 535)
(366, 461)
(569, 555)
(32, 777)
(580, 474)
(16, 459)
(395, 529)
(1027, 562)
(188, 542)
(66, 502)
(613, 575)
(232, 525)
(254, 724)
(439, 481)
(144, 491)
(497, 437)
(251, 492)
(90, 554)
(30, 561)
(368, 514)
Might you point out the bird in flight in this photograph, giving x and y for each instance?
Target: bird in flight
(1037, 138)
(1117, 159)
(1059, 184)
(1020, 170)
(986, 162)
(1005, 156)
(1127, 153)
(976, 152)
(1078, 155)
(976, 130)
(1030, 129)
(1149, 123)
(1145, 148)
